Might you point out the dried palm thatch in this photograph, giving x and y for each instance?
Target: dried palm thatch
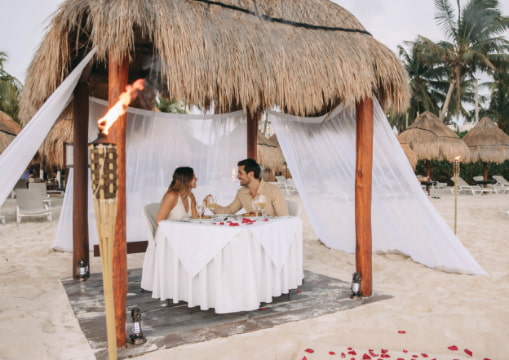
(487, 142)
(304, 56)
(8, 130)
(431, 139)
(52, 148)
(409, 153)
(270, 156)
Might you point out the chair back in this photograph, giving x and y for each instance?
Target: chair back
(281, 179)
(478, 178)
(21, 184)
(293, 207)
(150, 212)
(39, 186)
(501, 180)
(29, 199)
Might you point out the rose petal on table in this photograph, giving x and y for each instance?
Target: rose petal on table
(309, 351)
(453, 348)
(468, 352)
(233, 224)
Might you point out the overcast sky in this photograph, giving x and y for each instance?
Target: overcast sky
(391, 22)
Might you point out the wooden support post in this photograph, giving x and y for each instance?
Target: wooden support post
(252, 133)
(80, 182)
(117, 81)
(363, 190)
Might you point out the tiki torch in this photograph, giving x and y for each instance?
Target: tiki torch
(103, 165)
(104, 170)
(456, 172)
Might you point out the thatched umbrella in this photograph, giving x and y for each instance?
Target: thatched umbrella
(230, 54)
(487, 143)
(8, 130)
(431, 139)
(269, 155)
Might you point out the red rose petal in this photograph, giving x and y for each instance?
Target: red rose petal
(309, 351)
(352, 352)
(424, 355)
(304, 358)
(405, 351)
(343, 355)
(332, 353)
(468, 352)
(401, 332)
(366, 357)
(262, 308)
(453, 348)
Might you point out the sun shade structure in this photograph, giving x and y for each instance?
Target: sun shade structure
(8, 130)
(430, 139)
(409, 153)
(487, 143)
(303, 57)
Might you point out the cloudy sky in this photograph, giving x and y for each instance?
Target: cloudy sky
(391, 22)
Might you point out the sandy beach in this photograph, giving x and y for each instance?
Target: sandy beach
(431, 315)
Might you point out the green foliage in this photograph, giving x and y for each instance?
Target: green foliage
(442, 170)
(10, 91)
(170, 106)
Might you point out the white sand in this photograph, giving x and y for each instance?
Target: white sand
(434, 309)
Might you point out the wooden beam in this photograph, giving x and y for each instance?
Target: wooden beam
(117, 81)
(252, 133)
(363, 192)
(80, 181)
(133, 247)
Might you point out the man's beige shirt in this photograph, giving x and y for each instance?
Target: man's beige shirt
(276, 204)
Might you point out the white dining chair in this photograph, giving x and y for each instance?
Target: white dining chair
(147, 275)
(293, 207)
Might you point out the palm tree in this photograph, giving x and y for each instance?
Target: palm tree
(476, 42)
(10, 90)
(499, 105)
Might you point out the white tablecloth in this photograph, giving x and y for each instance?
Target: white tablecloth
(228, 268)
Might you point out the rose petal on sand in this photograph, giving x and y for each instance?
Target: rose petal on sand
(468, 352)
(401, 332)
(332, 353)
(309, 351)
(453, 348)
(366, 357)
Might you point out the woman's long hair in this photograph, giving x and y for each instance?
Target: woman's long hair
(181, 182)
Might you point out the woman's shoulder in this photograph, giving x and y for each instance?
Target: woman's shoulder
(170, 195)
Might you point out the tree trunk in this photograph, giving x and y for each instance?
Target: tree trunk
(447, 100)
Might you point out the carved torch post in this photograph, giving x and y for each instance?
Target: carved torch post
(456, 172)
(103, 164)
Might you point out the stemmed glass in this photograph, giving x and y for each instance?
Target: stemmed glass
(211, 203)
(200, 207)
(259, 203)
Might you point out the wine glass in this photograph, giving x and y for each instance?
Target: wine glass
(200, 207)
(211, 203)
(261, 202)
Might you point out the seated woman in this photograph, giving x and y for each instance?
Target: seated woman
(179, 201)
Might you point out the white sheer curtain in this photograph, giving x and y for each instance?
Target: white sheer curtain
(321, 155)
(157, 143)
(20, 152)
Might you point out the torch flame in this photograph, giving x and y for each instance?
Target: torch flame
(120, 106)
(457, 158)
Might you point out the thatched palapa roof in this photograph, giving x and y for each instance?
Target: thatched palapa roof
(304, 56)
(487, 142)
(8, 130)
(431, 139)
(269, 153)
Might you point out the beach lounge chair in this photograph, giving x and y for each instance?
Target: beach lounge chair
(2, 219)
(290, 187)
(502, 185)
(29, 203)
(147, 276)
(474, 189)
(281, 182)
(43, 189)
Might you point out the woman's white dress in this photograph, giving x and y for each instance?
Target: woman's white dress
(179, 211)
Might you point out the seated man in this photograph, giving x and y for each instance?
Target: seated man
(252, 185)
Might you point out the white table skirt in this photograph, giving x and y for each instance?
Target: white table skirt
(254, 264)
